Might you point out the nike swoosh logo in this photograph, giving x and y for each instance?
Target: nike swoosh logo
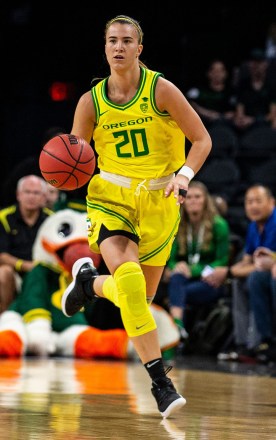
(153, 363)
(140, 326)
(104, 112)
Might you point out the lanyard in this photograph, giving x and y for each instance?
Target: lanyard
(194, 257)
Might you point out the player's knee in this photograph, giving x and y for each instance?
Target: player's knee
(131, 286)
(135, 312)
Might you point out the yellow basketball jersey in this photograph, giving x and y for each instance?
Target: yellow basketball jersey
(136, 139)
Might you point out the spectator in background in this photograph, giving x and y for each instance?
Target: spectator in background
(52, 196)
(214, 101)
(57, 199)
(236, 241)
(221, 205)
(270, 42)
(270, 53)
(18, 227)
(263, 302)
(256, 97)
(201, 244)
(75, 199)
(252, 327)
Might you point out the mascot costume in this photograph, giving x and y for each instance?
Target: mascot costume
(35, 324)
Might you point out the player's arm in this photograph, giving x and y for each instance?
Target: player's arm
(84, 117)
(169, 98)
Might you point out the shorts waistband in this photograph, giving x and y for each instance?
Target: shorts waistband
(128, 182)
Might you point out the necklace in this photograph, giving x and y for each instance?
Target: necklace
(194, 254)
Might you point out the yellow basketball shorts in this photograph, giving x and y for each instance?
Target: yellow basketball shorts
(148, 214)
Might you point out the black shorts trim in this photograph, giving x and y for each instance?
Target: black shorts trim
(106, 233)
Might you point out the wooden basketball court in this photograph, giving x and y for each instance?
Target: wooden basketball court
(86, 399)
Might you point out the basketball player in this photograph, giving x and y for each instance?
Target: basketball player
(138, 121)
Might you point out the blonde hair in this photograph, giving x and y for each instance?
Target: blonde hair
(209, 212)
(125, 19)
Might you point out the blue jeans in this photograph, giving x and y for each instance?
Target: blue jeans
(244, 326)
(262, 298)
(183, 291)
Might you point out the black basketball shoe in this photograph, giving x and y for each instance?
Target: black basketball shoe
(167, 398)
(80, 290)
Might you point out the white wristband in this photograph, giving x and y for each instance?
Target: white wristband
(187, 172)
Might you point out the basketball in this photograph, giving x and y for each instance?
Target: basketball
(67, 162)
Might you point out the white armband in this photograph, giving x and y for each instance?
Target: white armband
(187, 172)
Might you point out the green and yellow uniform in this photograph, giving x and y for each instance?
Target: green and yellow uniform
(139, 149)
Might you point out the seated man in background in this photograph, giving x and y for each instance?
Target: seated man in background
(263, 301)
(19, 224)
(252, 327)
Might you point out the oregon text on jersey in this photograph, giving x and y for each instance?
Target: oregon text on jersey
(125, 123)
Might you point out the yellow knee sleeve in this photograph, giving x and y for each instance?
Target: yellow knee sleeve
(110, 290)
(131, 288)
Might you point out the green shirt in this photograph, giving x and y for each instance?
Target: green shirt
(216, 255)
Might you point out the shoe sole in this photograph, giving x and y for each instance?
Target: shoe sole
(76, 267)
(174, 406)
(228, 356)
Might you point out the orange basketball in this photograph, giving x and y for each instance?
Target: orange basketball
(67, 162)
